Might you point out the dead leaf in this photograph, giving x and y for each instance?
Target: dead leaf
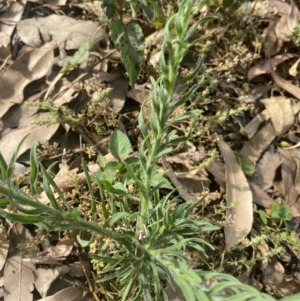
(184, 193)
(18, 279)
(293, 71)
(44, 277)
(67, 32)
(288, 171)
(37, 132)
(264, 67)
(3, 249)
(260, 197)
(282, 115)
(286, 85)
(70, 294)
(118, 95)
(296, 157)
(265, 169)
(259, 143)
(8, 21)
(251, 128)
(238, 199)
(254, 94)
(62, 249)
(29, 67)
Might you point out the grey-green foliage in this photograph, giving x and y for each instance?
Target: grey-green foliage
(151, 238)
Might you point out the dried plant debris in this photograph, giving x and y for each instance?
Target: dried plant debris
(238, 199)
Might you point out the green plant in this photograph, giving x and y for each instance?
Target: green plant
(145, 234)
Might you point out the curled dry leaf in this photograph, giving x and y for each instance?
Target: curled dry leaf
(287, 86)
(293, 71)
(238, 199)
(29, 67)
(281, 113)
(67, 32)
(264, 67)
(266, 169)
(37, 132)
(8, 21)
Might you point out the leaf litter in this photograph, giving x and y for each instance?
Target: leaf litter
(245, 70)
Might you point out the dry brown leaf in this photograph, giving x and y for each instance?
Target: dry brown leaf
(293, 71)
(238, 199)
(264, 67)
(184, 193)
(40, 133)
(67, 32)
(18, 279)
(251, 128)
(44, 277)
(217, 169)
(118, 95)
(260, 197)
(282, 7)
(62, 249)
(8, 21)
(3, 250)
(259, 143)
(266, 169)
(254, 94)
(29, 67)
(296, 157)
(286, 85)
(70, 294)
(288, 171)
(281, 113)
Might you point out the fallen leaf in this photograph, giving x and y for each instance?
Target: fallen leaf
(264, 67)
(238, 199)
(44, 277)
(70, 294)
(18, 279)
(266, 169)
(67, 32)
(184, 193)
(259, 143)
(37, 132)
(288, 170)
(260, 197)
(118, 94)
(286, 85)
(281, 112)
(8, 21)
(29, 67)
(3, 250)
(293, 71)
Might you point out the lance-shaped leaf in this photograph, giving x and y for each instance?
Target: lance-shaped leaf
(238, 198)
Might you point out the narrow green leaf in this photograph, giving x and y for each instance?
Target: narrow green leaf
(115, 218)
(21, 218)
(186, 288)
(88, 180)
(34, 168)
(3, 168)
(10, 168)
